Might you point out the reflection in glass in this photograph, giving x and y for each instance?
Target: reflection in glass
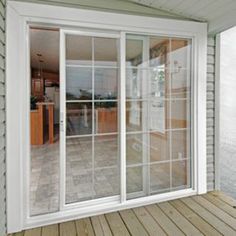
(134, 52)
(180, 143)
(106, 151)
(135, 83)
(79, 118)
(105, 83)
(134, 116)
(78, 169)
(159, 51)
(181, 174)
(105, 117)
(105, 52)
(180, 67)
(180, 114)
(160, 177)
(158, 82)
(180, 53)
(158, 115)
(134, 149)
(79, 49)
(159, 146)
(78, 83)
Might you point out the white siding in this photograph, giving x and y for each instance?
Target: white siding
(2, 122)
(210, 112)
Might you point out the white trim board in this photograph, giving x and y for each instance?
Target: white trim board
(19, 14)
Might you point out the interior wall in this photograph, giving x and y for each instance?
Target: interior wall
(2, 122)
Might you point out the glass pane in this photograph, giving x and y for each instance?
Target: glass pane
(134, 52)
(43, 171)
(79, 50)
(159, 146)
(105, 52)
(159, 52)
(134, 177)
(180, 54)
(107, 182)
(134, 148)
(180, 84)
(105, 83)
(159, 82)
(78, 83)
(78, 118)
(160, 177)
(136, 86)
(78, 169)
(180, 144)
(180, 114)
(158, 115)
(181, 174)
(180, 67)
(134, 113)
(105, 117)
(106, 151)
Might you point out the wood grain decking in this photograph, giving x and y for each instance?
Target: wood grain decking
(210, 214)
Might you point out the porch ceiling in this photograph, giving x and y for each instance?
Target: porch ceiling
(219, 14)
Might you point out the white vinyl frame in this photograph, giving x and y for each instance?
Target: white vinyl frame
(19, 16)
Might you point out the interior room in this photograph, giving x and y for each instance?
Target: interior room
(157, 117)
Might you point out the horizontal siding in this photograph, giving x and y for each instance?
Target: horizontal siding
(2, 122)
(210, 113)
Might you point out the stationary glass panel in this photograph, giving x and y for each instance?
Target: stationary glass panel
(92, 107)
(44, 102)
(158, 114)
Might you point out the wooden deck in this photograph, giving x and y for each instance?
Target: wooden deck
(210, 214)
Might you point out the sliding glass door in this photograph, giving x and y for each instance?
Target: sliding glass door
(157, 115)
(92, 121)
(158, 98)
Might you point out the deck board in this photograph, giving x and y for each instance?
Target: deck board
(211, 214)
(84, 227)
(195, 219)
(132, 223)
(221, 204)
(51, 230)
(216, 211)
(152, 227)
(164, 221)
(179, 219)
(216, 222)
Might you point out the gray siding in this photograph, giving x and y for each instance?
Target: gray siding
(210, 113)
(2, 122)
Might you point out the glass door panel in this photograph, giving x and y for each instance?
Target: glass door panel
(92, 132)
(158, 128)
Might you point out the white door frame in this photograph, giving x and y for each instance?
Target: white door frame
(19, 15)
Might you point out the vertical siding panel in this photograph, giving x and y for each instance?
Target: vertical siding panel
(2, 122)
(210, 112)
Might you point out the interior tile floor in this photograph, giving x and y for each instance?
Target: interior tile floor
(94, 175)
